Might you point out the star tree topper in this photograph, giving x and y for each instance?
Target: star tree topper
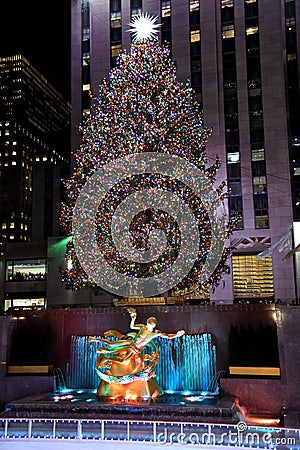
(143, 27)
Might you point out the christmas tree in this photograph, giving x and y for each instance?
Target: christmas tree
(143, 114)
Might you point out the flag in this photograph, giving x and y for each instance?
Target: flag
(285, 243)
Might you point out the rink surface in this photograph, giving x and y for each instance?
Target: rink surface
(54, 444)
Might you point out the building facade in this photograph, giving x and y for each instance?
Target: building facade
(34, 130)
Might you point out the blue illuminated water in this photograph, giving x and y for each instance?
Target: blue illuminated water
(186, 365)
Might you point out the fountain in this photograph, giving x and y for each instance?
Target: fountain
(185, 365)
(185, 380)
(59, 383)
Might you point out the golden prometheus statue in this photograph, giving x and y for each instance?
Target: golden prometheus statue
(125, 370)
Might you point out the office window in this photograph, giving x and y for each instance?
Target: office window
(86, 59)
(136, 7)
(194, 5)
(115, 19)
(259, 185)
(251, 30)
(252, 277)
(233, 158)
(228, 31)
(116, 50)
(226, 3)
(166, 8)
(85, 33)
(195, 36)
(30, 302)
(26, 270)
(261, 218)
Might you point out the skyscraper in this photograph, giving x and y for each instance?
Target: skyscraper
(240, 56)
(34, 128)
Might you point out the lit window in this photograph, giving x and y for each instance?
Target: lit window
(194, 5)
(14, 153)
(4, 226)
(115, 50)
(233, 157)
(228, 3)
(258, 155)
(13, 163)
(86, 59)
(252, 30)
(290, 23)
(12, 225)
(136, 9)
(259, 185)
(44, 158)
(195, 36)
(252, 277)
(86, 87)
(37, 159)
(116, 23)
(26, 269)
(228, 32)
(85, 33)
(166, 9)
(261, 218)
(14, 143)
(11, 236)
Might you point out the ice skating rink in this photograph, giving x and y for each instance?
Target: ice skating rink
(54, 444)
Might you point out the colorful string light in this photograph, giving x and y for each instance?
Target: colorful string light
(142, 107)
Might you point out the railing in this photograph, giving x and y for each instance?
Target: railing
(239, 435)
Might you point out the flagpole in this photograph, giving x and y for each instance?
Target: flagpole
(295, 267)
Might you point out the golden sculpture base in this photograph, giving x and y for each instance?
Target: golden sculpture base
(130, 391)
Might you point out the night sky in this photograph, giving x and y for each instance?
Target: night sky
(41, 32)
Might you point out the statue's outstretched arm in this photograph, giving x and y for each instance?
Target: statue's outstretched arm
(94, 339)
(170, 335)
